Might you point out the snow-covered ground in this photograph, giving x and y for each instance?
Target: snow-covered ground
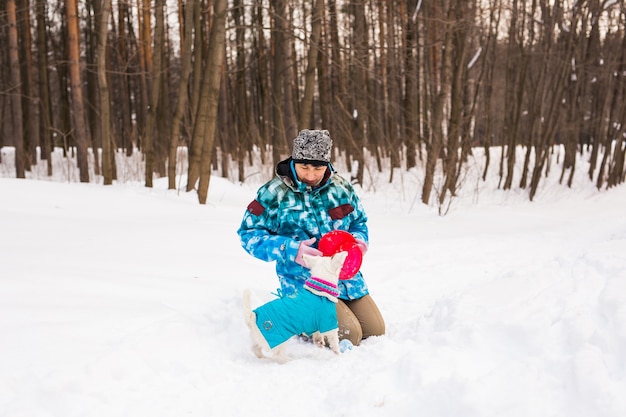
(126, 301)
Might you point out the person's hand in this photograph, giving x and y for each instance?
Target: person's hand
(305, 248)
(362, 245)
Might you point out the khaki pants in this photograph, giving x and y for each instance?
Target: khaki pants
(359, 319)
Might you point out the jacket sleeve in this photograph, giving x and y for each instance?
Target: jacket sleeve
(257, 232)
(358, 226)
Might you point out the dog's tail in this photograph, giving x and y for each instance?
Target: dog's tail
(247, 309)
(258, 342)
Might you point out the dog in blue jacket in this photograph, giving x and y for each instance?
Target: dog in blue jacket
(311, 312)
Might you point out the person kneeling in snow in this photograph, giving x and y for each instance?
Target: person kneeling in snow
(291, 212)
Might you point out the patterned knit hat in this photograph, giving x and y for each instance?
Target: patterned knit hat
(312, 147)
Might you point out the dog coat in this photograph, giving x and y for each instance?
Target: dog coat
(306, 312)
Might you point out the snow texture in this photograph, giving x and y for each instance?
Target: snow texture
(126, 301)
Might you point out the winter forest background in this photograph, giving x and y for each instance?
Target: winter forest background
(206, 86)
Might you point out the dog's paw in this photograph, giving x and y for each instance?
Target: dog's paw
(318, 339)
(257, 350)
(333, 341)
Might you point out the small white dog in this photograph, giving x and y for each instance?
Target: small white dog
(309, 312)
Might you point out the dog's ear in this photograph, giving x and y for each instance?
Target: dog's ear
(309, 260)
(325, 267)
(339, 258)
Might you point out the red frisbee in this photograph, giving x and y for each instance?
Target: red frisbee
(330, 242)
(340, 241)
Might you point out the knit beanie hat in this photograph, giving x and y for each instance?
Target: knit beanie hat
(312, 147)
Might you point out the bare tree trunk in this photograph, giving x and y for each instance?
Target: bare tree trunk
(279, 138)
(29, 95)
(263, 100)
(242, 117)
(517, 63)
(77, 103)
(123, 70)
(394, 96)
(91, 80)
(144, 50)
(16, 101)
(44, 86)
(569, 134)
(439, 87)
(323, 78)
(484, 131)
(433, 148)
(164, 109)
(458, 33)
(341, 123)
(155, 90)
(290, 82)
(63, 88)
(379, 113)
(359, 71)
(191, 7)
(552, 79)
(200, 103)
(596, 96)
(309, 76)
(103, 89)
(410, 101)
(225, 130)
(199, 57)
(618, 112)
(215, 61)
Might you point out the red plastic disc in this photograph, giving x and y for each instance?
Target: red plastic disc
(340, 241)
(329, 243)
(353, 261)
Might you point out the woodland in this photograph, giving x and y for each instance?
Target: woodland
(410, 82)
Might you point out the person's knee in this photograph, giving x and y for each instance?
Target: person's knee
(369, 316)
(374, 326)
(349, 325)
